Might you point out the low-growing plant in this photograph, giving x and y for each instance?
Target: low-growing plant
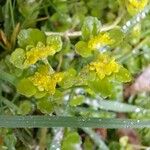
(67, 64)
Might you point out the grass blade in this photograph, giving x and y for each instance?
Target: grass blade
(77, 122)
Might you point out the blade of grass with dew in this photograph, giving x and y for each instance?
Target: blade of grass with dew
(58, 136)
(77, 122)
(113, 106)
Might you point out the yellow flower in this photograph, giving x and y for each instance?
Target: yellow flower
(104, 66)
(45, 81)
(134, 6)
(100, 41)
(37, 53)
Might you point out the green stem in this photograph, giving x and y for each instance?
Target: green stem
(134, 51)
(9, 104)
(96, 138)
(61, 121)
(8, 77)
(57, 139)
(12, 14)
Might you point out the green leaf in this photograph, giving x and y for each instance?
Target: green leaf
(68, 78)
(91, 26)
(25, 107)
(123, 75)
(103, 87)
(88, 145)
(45, 105)
(30, 37)
(72, 141)
(82, 49)
(40, 94)
(55, 42)
(78, 100)
(114, 145)
(117, 35)
(27, 9)
(17, 58)
(25, 87)
(10, 141)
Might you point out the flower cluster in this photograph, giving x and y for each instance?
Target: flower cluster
(100, 40)
(31, 54)
(104, 66)
(134, 6)
(37, 53)
(45, 80)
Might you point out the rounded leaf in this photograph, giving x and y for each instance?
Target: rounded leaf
(91, 26)
(25, 107)
(55, 42)
(17, 58)
(30, 37)
(123, 75)
(116, 35)
(45, 105)
(68, 78)
(82, 49)
(72, 141)
(26, 87)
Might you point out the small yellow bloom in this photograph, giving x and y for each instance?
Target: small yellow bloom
(100, 41)
(104, 66)
(37, 53)
(45, 81)
(134, 6)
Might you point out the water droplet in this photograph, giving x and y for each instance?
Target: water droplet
(138, 19)
(66, 97)
(143, 15)
(128, 23)
(137, 110)
(124, 27)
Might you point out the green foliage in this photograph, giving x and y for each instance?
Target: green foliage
(17, 58)
(10, 141)
(91, 27)
(71, 59)
(54, 41)
(82, 49)
(45, 105)
(25, 107)
(71, 141)
(30, 37)
(78, 100)
(25, 87)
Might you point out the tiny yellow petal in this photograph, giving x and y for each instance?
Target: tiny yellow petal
(37, 53)
(45, 81)
(104, 66)
(100, 41)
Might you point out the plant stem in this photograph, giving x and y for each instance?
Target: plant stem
(42, 142)
(134, 51)
(8, 77)
(96, 138)
(58, 136)
(12, 14)
(9, 104)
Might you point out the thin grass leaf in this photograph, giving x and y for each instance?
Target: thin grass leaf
(96, 139)
(77, 122)
(7, 77)
(113, 105)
